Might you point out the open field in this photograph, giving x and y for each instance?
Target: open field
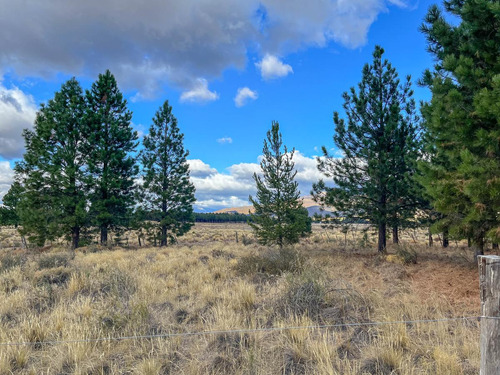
(208, 282)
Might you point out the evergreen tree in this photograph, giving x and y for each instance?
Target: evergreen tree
(111, 166)
(379, 140)
(52, 172)
(169, 194)
(10, 204)
(462, 118)
(279, 216)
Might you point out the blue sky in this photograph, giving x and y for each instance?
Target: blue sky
(289, 60)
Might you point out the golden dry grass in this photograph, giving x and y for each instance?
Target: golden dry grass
(208, 282)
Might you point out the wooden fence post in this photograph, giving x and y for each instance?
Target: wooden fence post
(489, 284)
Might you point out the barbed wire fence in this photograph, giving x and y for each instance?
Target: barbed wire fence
(243, 331)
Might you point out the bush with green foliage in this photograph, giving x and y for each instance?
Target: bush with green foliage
(279, 216)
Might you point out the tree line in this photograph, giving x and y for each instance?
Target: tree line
(80, 170)
(223, 217)
(399, 168)
(443, 168)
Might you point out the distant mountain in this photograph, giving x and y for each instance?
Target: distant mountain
(316, 210)
(309, 203)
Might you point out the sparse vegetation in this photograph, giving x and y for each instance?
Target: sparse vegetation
(219, 302)
(271, 262)
(208, 282)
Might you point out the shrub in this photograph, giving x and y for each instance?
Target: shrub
(272, 262)
(407, 255)
(229, 349)
(310, 295)
(51, 276)
(304, 295)
(54, 261)
(222, 254)
(247, 240)
(110, 282)
(9, 261)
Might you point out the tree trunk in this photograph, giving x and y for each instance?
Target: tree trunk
(431, 241)
(139, 238)
(395, 234)
(75, 237)
(478, 246)
(382, 237)
(104, 235)
(494, 246)
(163, 240)
(446, 238)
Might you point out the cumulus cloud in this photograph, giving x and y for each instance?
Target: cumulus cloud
(167, 41)
(231, 188)
(244, 95)
(209, 204)
(6, 178)
(199, 93)
(307, 172)
(17, 112)
(271, 67)
(200, 169)
(244, 171)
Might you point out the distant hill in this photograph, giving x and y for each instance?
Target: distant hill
(309, 203)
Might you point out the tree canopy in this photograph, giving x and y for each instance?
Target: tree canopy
(373, 180)
(279, 216)
(52, 173)
(110, 163)
(462, 120)
(169, 194)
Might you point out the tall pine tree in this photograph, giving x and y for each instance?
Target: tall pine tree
(52, 173)
(279, 216)
(169, 194)
(111, 165)
(379, 140)
(463, 118)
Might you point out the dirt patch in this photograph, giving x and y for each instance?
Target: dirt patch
(458, 284)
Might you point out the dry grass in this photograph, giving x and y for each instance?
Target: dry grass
(205, 283)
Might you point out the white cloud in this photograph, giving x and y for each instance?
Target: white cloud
(147, 45)
(198, 168)
(215, 190)
(244, 95)
(307, 172)
(225, 140)
(271, 67)
(6, 178)
(399, 3)
(199, 93)
(209, 204)
(244, 171)
(17, 112)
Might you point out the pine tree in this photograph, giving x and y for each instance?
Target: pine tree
(279, 216)
(111, 166)
(379, 140)
(52, 173)
(169, 194)
(10, 204)
(463, 118)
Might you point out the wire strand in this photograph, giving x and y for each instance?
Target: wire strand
(242, 330)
